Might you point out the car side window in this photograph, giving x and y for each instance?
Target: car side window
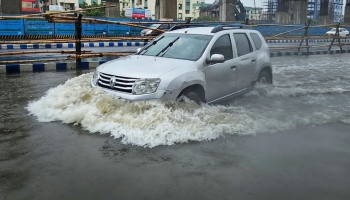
(223, 46)
(256, 40)
(242, 43)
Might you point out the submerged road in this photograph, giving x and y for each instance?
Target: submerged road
(286, 141)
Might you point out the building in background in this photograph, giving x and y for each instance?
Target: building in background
(185, 8)
(44, 4)
(196, 9)
(338, 10)
(253, 13)
(321, 11)
(228, 10)
(189, 8)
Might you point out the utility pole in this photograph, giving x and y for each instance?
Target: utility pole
(78, 32)
(255, 10)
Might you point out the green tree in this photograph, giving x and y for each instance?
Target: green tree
(95, 12)
(313, 21)
(122, 13)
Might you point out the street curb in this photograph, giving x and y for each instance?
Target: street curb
(123, 44)
(305, 53)
(87, 65)
(310, 40)
(71, 45)
(43, 67)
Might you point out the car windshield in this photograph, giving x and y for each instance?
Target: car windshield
(333, 29)
(178, 46)
(155, 25)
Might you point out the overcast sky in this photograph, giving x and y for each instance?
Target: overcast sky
(245, 2)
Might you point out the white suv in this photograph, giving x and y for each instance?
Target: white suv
(204, 64)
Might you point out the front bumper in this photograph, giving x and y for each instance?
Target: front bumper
(162, 95)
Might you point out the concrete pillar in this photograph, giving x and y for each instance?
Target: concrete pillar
(113, 11)
(227, 10)
(282, 15)
(167, 9)
(222, 10)
(322, 20)
(325, 16)
(171, 9)
(299, 11)
(282, 18)
(347, 12)
(157, 10)
(11, 7)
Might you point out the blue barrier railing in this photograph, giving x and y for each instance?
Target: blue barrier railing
(22, 27)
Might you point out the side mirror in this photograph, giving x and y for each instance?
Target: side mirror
(138, 50)
(216, 58)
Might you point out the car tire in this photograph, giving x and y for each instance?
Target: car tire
(191, 96)
(264, 78)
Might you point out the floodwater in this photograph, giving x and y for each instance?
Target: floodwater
(60, 139)
(303, 93)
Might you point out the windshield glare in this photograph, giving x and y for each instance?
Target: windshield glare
(188, 46)
(155, 25)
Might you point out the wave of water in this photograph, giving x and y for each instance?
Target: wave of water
(151, 123)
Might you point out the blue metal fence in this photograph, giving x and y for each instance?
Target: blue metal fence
(64, 29)
(12, 27)
(38, 27)
(20, 27)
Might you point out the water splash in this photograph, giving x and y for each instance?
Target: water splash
(152, 123)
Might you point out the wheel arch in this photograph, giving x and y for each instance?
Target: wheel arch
(268, 70)
(197, 88)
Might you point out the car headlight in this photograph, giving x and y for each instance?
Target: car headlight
(145, 86)
(148, 32)
(95, 77)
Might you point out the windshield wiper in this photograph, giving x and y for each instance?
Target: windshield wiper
(168, 46)
(147, 47)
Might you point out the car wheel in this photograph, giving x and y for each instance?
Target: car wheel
(264, 78)
(191, 96)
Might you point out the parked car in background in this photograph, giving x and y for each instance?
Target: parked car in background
(342, 32)
(203, 64)
(149, 32)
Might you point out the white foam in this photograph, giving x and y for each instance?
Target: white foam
(151, 123)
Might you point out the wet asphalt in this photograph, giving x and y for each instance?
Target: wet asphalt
(62, 161)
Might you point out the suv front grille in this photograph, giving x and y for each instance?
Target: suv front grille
(120, 84)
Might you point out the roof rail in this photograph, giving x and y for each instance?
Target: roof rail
(225, 27)
(176, 27)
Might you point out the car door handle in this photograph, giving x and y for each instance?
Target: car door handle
(234, 67)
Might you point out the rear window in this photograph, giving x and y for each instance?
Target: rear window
(256, 40)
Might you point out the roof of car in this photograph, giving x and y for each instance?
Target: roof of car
(195, 30)
(205, 30)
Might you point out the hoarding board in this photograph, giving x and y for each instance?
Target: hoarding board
(138, 13)
(55, 8)
(30, 6)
